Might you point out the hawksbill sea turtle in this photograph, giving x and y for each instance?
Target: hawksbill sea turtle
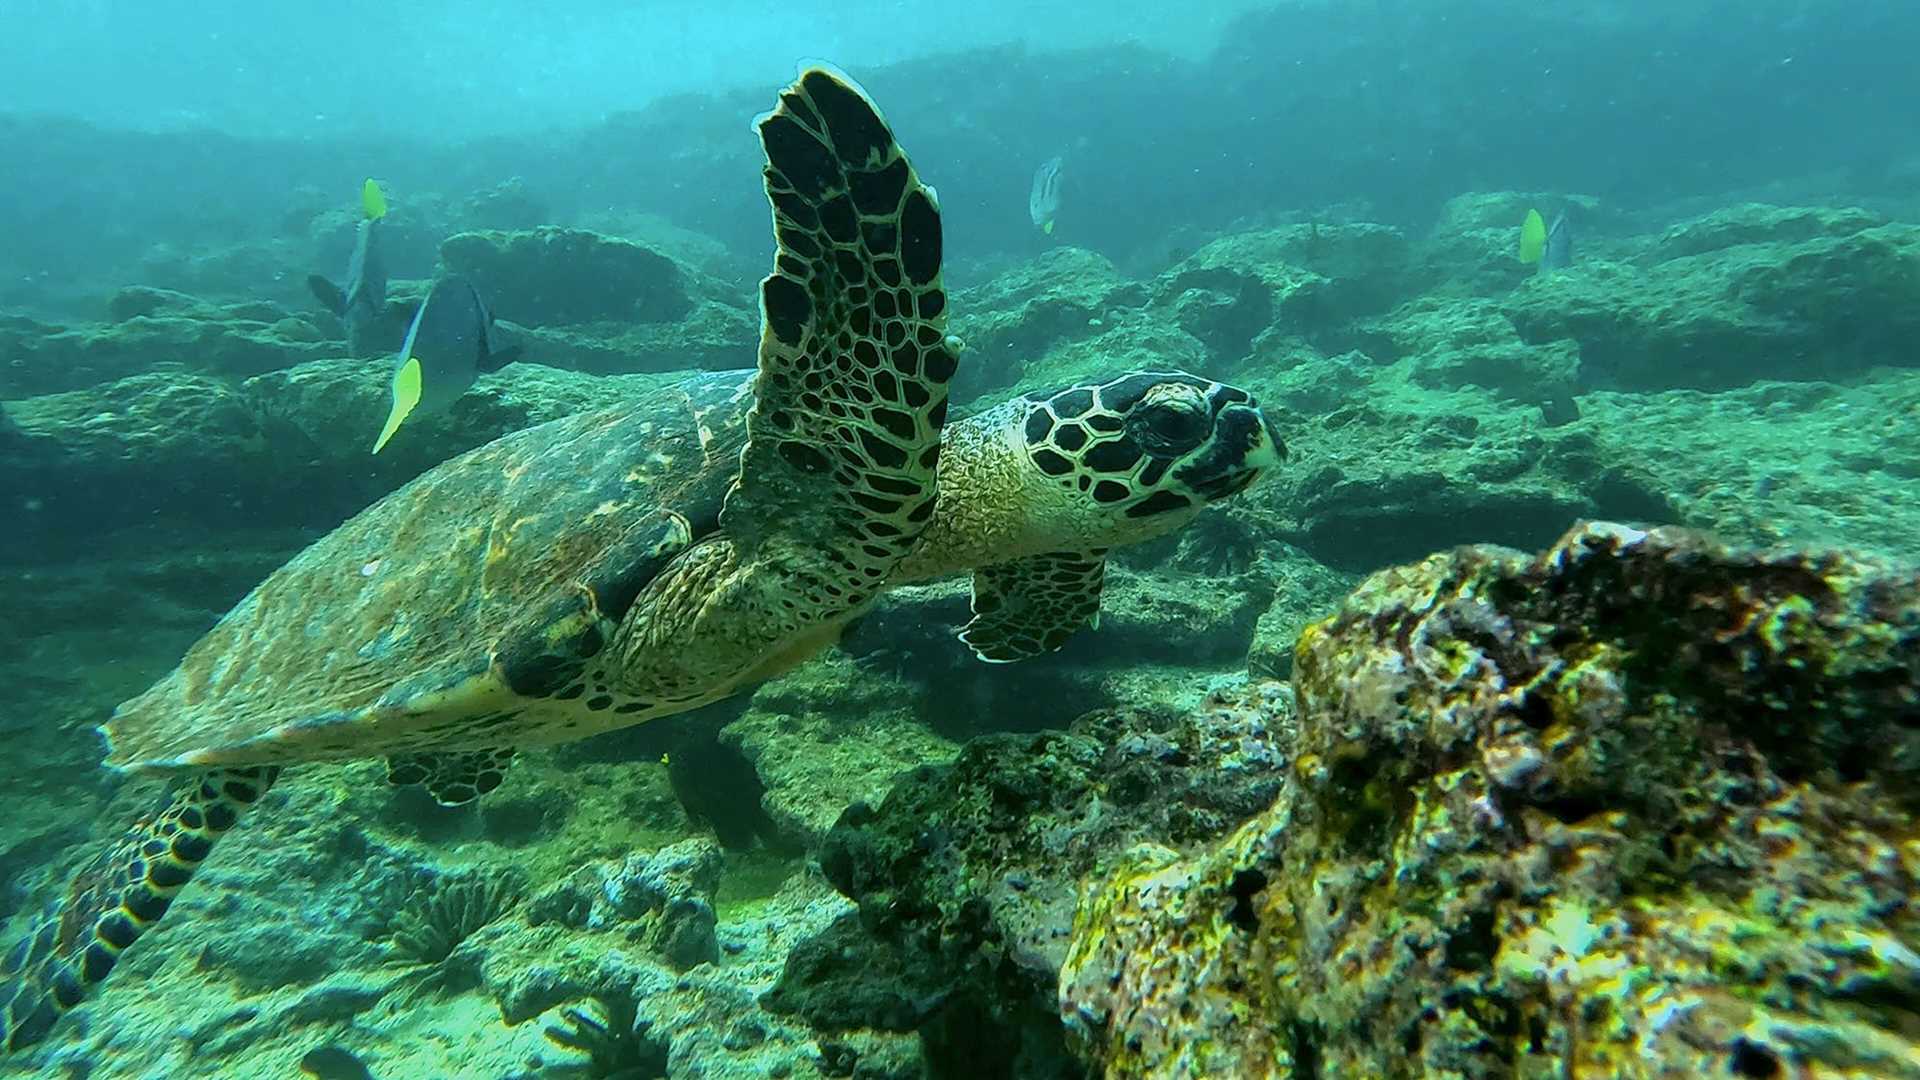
(612, 567)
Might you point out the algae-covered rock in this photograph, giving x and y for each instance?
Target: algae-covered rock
(1308, 280)
(828, 735)
(555, 277)
(662, 901)
(1473, 249)
(1453, 344)
(1129, 340)
(191, 446)
(712, 336)
(1387, 469)
(1780, 462)
(1066, 294)
(1828, 303)
(232, 341)
(966, 873)
(1759, 223)
(1640, 806)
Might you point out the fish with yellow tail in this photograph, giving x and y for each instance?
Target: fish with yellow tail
(451, 342)
(364, 298)
(1548, 248)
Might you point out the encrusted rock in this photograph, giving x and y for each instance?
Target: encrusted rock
(1640, 806)
(966, 875)
(1811, 296)
(551, 276)
(663, 900)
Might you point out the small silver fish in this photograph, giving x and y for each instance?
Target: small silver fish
(1043, 202)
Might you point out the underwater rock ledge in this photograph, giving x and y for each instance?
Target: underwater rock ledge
(1641, 805)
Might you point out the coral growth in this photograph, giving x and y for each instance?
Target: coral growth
(1638, 806)
(615, 1042)
(439, 917)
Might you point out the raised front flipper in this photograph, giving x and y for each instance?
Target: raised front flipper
(452, 777)
(120, 894)
(837, 480)
(1028, 607)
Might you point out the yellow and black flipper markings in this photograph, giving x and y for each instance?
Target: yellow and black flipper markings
(1029, 607)
(837, 478)
(120, 895)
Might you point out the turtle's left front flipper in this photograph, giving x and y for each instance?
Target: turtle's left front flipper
(837, 479)
(1029, 607)
(120, 894)
(838, 476)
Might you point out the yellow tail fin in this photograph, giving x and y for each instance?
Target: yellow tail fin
(373, 200)
(406, 394)
(1533, 237)
(1047, 228)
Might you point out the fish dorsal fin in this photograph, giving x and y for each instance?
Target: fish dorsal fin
(1533, 237)
(372, 200)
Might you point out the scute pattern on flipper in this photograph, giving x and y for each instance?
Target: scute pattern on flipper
(1030, 607)
(452, 777)
(837, 480)
(120, 895)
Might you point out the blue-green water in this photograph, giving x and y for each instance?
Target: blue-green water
(1480, 270)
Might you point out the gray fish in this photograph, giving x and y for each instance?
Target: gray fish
(364, 299)
(1558, 254)
(1043, 202)
(451, 342)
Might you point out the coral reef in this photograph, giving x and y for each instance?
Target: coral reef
(1640, 805)
(1640, 794)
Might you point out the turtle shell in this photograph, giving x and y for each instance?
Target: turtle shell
(436, 617)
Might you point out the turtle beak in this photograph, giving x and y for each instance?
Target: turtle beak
(1266, 451)
(1246, 447)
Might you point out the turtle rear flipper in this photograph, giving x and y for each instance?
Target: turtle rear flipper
(1030, 607)
(851, 393)
(452, 777)
(121, 894)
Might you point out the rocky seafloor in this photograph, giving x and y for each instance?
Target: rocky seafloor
(1643, 801)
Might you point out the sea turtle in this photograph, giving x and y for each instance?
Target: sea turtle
(616, 566)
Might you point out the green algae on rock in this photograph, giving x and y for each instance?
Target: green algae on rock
(233, 341)
(1642, 805)
(551, 276)
(966, 874)
(1812, 301)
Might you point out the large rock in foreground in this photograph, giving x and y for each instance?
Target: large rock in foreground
(1640, 806)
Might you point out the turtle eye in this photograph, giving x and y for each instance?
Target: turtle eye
(1173, 428)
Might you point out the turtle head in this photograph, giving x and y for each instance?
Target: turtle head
(1089, 467)
(1139, 455)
